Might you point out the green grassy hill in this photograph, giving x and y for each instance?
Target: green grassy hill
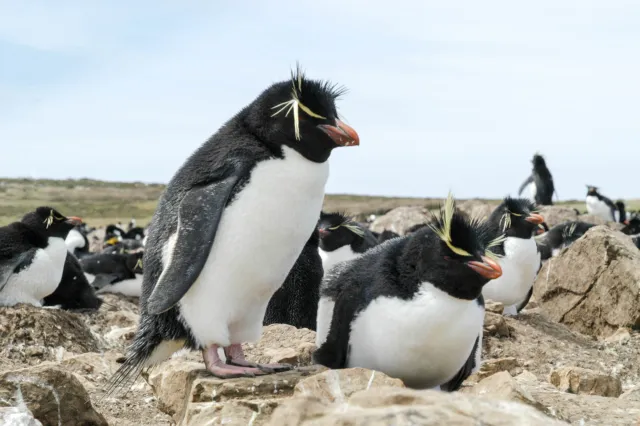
(100, 203)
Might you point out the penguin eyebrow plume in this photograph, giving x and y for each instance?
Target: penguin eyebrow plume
(442, 226)
(493, 243)
(506, 218)
(49, 219)
(351, 227)
(294, 104)
(138, 264)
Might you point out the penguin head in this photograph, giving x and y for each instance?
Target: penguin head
(134, 262)
(538, 161)
(301, 114)
(51, 221)
(456, 256)
(516, 217)
(541, 229)
(592, 190)
(337, 230)
(113, 231)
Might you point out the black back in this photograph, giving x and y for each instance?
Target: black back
(296, 302)
(337, 230)
(136, 233)
(633, 227)
(561, 236)
(415, 227)
(544, 181)
(74, 291)
(621, 211)
(118, 267)
(386, 235)
(593, 191)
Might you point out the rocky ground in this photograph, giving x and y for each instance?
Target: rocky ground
(572, 357)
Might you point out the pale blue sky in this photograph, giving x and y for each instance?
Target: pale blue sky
(445, 95)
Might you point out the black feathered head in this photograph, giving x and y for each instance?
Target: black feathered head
(516, 217)
(51, 222)
(538, 160)
(337, 230)
(592, 190)
(301, 113)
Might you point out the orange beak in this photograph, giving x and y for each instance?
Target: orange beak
(626, 222)
(74, 220)
(487, 268)
(342, 134)
(535, 218)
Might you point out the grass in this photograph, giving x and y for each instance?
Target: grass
(100, 203)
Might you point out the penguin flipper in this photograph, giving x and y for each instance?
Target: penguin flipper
(524, 185)
(456, 382)
(11, 266)
(199, 215)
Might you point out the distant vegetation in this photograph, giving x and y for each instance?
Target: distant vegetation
(100, 202)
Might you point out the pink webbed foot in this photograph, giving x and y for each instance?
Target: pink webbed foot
(220, 369)
(235, 356)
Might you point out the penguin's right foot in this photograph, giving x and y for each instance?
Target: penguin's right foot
(222, 370)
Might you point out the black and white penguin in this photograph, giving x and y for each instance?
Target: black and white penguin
(73, 291)
(520, 259)
(600, 205)
(632, 227)
(230, 226)
(115, 272)
(539, 186)
(77, 242)
(620, 213)
(559, 237)
(342, 239)
(636, 240)
(411, 307)
(541, 229)
(123, 246)
(32, 256)
(296, 302)
(135, 233)
(113, 231)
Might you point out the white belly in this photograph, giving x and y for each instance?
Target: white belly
(132, 287)
(599, 208)
(424, 342)
(39, 279)
(519, 269)
(259, 238)
(330, 258)
(530, 191)
(74, 240)
(323, 319)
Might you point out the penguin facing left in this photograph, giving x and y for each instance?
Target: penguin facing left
(115, 272)
(258, 180)
(599, 205)
(296, 302)
(32, 256)
(551, 243)
(73, 291)
(342, 239)
(539, 187)
(411, 307)
(520, 259)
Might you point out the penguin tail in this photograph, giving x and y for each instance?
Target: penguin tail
(139, 353)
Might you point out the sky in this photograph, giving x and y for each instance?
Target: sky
(454, 95)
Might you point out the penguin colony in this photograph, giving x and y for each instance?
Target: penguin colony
(411, 306)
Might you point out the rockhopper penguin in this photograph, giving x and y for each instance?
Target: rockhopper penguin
(74, 291)
(551, 243)
(412, 306)
(539, 186)
(342, 239)
(32, 256)
(519, 259)
(600, 205)
(230, 226)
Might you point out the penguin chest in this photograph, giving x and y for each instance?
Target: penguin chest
(330, 258)
(423, 341)
(260, 236)
(74, 240)
(598, 207)
(40, 278)
(519, 269)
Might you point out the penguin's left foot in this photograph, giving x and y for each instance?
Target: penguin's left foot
(235, 356)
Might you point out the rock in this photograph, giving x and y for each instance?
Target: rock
(282, 343)
(577, 409)
(398, 406)
(400, 219)
(554, 215)
(621, 336)
(495, 307)
(31, 335)
(336, 385)
(632, 394)
(593, 285)
(584, 381)
(188, 393)
(477, 208)
(495, 325)
(54, 396)
(489, 367)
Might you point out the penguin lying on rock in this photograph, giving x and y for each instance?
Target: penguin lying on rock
(32, 256)
(411, 307)
(342, 239)
(230, 226)
(74, 291)
(559, 237)
(115, 272)
(519, 259)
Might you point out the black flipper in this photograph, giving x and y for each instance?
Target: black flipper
(10, 266)
(524, 185)
(199, 215)
(455, 383)
(334, 352)
(525, 301)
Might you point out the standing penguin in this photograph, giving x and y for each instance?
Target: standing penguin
(600, 205)
(560, 236)
(539, 186)
(296, 302)
(74, 290)
(230, 226)
(411, 307)
(342, 239)
(621, 213)
(519, 259)
(32, 256)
